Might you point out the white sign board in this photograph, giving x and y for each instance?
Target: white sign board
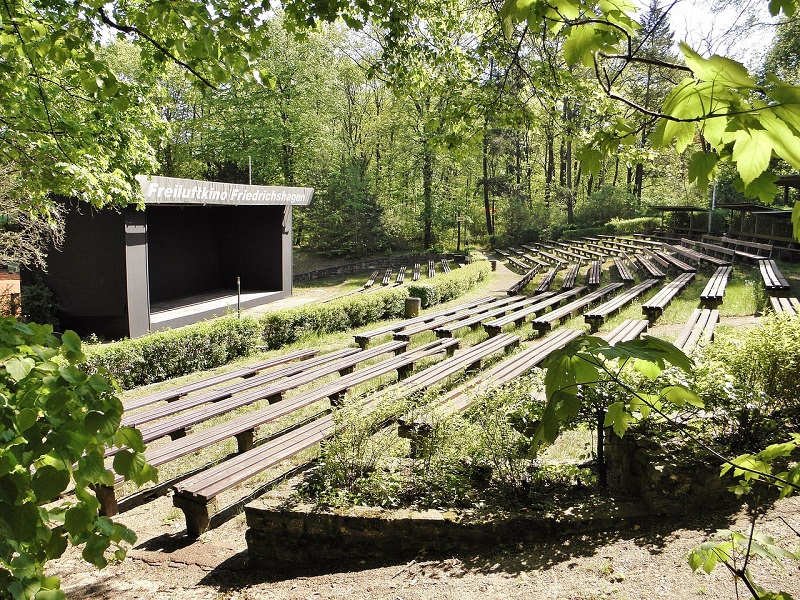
(172, 190)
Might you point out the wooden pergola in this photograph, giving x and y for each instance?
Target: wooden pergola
(681, 209)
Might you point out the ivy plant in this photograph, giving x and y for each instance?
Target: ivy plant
(56, 423)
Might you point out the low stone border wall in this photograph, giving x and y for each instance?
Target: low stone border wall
(378, 263)
(279, 534)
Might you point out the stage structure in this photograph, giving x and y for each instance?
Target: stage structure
(195, 251)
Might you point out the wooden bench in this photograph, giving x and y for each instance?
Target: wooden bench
(604, 250)
(622, 269)
(175, 418)
(195, 495)
(520, 285)
(675, 263)
(174, 393)
(387, 277)
(594, 274)
(688, 253)
(502, 253)
(713, 249)
(518, 317)
(774, 281)
(655, 258)
(535, 261)
(401, 275)
(546, 321)
(699, 330)
(371, 280)
(449, 329)
(461, 397)
(415, 274)
(547, 280)
(571, 277)
(518, 263)
(597, 316)
(431, 270)
(742, 248)
(363, 338)
(653, 307)
(714, 291)
(445, 266)
(559, 262)
(408, 332)
(629, 329)
(780, 304)
(650, 268)
(133, 416)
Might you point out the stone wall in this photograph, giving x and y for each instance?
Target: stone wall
(666, 483)
(279, 534)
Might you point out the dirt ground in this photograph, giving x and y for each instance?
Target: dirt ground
(639, 562)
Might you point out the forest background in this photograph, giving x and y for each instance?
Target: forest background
(419, 128)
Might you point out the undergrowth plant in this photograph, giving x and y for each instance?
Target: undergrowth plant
(56, 423)
(589, 361)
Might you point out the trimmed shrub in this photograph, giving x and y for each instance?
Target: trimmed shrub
(634, 225)
(168, 354)
(446, 287)
(286, 326)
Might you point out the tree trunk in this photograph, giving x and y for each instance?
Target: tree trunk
(427, 198)
(487, 207)
(602, 478)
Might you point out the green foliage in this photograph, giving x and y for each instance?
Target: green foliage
(166, 354)
(286, 326)
(446, 287)
(637, 225)
(39, 304)
(606, 204)
(56, 422)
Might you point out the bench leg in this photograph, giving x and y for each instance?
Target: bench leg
(177, 434)
(108, 500)
(346, 371)
(337, 399)
(275, 398)
(245, 440)
(417, 434)
(404, 371)
(196, 514)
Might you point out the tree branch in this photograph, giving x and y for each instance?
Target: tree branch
(160, 47)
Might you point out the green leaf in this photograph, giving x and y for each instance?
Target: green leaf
(19, 368)
(48, 482)
(71, 341)
(26, 418)
(679, 395)
(618, 417)
(581, 44)
(717, 69)
(751, 153)
(78, 519)
(648, 368)
(701, 167)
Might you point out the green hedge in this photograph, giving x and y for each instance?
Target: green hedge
(172, 353)
(289, 325)
(444, 288)
(634, 225)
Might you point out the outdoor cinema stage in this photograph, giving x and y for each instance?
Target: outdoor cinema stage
(178, 261)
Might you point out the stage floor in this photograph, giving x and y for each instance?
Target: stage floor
(215, 303)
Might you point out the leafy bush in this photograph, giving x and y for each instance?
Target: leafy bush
(628, 226)
(286, 326)
(168, 354)
(444, 288)
(752, 380)
(38, 304)
(56, 423)
(606, 204)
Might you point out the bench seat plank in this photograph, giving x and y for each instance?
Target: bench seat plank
(714, 291)
(699, 329)
(772, 277)
(408, 332)
(449, 329)
(629, 329)
(790, 306)
(518, 317)
(596, 316)
(653, 307)
(244, 372)
(546, 321)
